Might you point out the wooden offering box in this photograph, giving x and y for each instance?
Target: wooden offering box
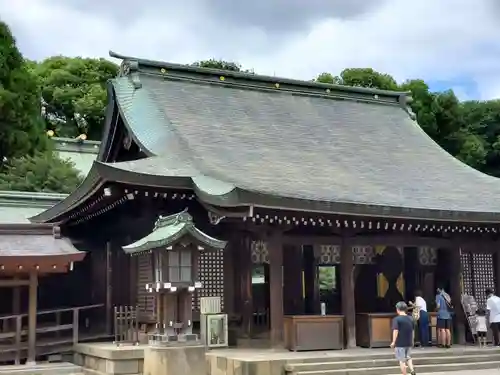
(314, 332)
(373, 330)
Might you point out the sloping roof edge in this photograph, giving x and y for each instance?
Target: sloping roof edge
(171, 229)
(90, 185)
(182, 68)
(30, 199)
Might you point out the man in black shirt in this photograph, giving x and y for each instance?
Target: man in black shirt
(402, 337)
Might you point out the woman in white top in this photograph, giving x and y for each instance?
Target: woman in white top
(481, 327)
(423, 320)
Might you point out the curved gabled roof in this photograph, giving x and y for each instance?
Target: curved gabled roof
(169, 230)
(240, 139)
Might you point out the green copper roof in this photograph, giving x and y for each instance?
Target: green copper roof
(171, 229)
(81, 153)
(243, 140)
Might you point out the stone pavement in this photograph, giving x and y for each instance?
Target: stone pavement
(465, 372)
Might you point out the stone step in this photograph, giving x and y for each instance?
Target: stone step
(394, 369)
(387, 362)
(416, 353)
(42, 369)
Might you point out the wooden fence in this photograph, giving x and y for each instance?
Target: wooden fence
(61, 325)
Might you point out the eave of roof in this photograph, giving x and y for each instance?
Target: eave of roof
(29, 199)
(36, 241)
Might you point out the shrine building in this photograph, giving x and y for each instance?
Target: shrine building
(324, 196)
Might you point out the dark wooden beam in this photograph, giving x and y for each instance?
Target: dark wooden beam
(456, 292)
(368, 239)
(496, 264)
(347, 293)
(276, 287)
(229, 268)
(293, 300)
(397, 240)
(243, 258)
(12, 283)
(32, 315)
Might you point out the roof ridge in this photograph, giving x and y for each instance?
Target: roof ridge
(76, 145)
(133, 64)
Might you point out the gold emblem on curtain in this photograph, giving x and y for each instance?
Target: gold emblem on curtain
(382, 285)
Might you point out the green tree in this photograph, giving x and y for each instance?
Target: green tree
(221, 65)
(482, 120)
(42, 172)
(74, 94)
(367, 77)
(422, 105)
(21, 126)
(328, 78)
(326, 278)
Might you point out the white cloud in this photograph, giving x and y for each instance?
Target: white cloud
(434, 40)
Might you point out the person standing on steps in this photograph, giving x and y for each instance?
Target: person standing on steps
(403, 327)
(422, 317)
(444, 320)
(493, 307)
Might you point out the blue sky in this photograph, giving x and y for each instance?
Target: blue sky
(450, 43)
(465, 88)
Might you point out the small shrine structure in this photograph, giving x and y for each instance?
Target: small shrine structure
(173, 248)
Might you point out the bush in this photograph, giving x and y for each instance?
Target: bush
(42, 172)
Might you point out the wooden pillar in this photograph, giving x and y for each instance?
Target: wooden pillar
(229, 277)
(456, 293)
(32, 310)
(496, 258)
(16, 299)
(276, 288)
(109, 317)
(293, 302)
(347, 294)
(244, 281)
(311, 287)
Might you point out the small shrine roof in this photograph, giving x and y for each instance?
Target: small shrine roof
(172, 229)
(38, 242)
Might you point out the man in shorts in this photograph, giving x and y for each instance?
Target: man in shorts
(444, 319)
(403, 328)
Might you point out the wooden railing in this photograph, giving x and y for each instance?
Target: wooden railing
(126, 321)
(13, 331)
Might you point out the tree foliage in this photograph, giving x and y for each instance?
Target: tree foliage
(41, 172)
(74, 94)
(221, 65)
(468, 130)
(21, 126)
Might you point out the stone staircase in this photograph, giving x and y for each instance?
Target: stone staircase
(63, 368)
(385, 364)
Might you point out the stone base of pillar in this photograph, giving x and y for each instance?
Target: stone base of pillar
(175, 360)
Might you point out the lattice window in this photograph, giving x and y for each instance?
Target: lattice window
(363, 254)
(211, 276)
(259, 252)
(465, 261)
(327, 254)
(483, 274)
(427, 256)
(330, 254)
